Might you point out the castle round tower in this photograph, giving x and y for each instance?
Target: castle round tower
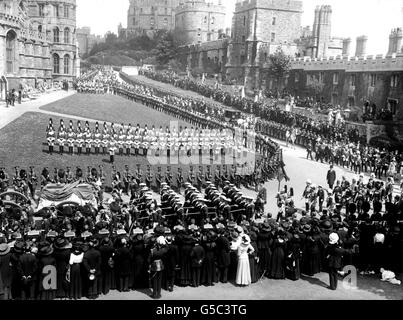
(197, 21)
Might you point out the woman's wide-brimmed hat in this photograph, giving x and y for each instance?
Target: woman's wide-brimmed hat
(62, 243)
(307, 228)
(245, 239)
(266, 227)
(46, 251)
(19, 247)
(4, 249)
(327, 225)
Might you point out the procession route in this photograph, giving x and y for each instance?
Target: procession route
(299, 169)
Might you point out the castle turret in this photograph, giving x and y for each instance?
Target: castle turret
(361, 47)
(395, 41)
(346, 47)
(322, 30)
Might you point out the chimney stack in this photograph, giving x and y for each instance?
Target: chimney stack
(361, 48)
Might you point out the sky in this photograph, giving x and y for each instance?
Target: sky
(351, 18)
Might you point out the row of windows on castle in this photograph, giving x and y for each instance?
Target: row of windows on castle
(11, 54)
(373, 78)
(56, 11)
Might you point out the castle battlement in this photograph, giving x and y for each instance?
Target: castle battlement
(291, 5)
(206, 46)
(367, 63)
(200, 6)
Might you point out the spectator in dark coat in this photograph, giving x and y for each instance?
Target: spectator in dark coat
(107, 279)
(171, 263)
(223, 250)
(5, 271)
(331, 177)
(209, 263)
(123, 266)
(92, 266)
(28, 270)
(197, 256)
(62, 251)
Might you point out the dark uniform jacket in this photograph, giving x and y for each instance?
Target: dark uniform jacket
(334, 255)
(223, 252)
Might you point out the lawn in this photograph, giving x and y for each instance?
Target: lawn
(111, 108)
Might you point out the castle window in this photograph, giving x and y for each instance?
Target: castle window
(353, 79)
(297, 77)
(67, 35)
(56, 35)
(321, 77)
(41, 10)
(244, 20)
(166, 11)
(134, 21)
(394, 81)
(56, 10)
(205, 19)
(66, 11)
(273, 21)
(56, 63)
(10, 51)
(212, 20)
(166, 21)
(373, 80)
(40, 28)
(273, 37)
(66, 64)
(335, 78)
(243, 38)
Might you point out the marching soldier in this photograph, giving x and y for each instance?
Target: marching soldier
(71, 138)
(79, 140)
(51, 137)
(61, 139)
(208, 176)
(105, 138)
(217, 177)
(168, 176)
(112, 149)
(200, 179)
(139, 174)
(88, 139)
(126, 179)
(121, 142)
(158, 179)
(149, 178)
(97, 139)
(179, 180)
(191, 176)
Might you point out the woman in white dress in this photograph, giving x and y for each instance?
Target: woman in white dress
(243, 276)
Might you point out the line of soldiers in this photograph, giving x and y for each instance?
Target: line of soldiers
(125, 138)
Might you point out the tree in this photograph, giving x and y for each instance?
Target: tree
(279, 65)
(166, 49)
(315, 87)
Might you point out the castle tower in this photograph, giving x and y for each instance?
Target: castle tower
(197, 21)
(258, 29)
(150, 16)
(395, 41)
(322, 30)
(346, 47)
(58, 20)
(361, 47)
